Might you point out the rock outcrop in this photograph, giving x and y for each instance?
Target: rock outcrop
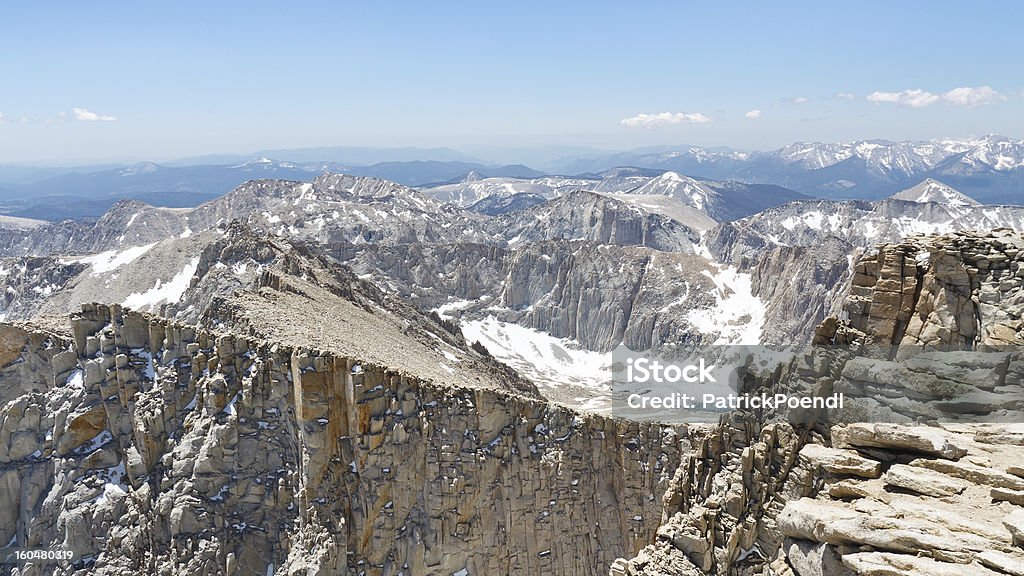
(868, 490)
(927, 514)
(961, 289)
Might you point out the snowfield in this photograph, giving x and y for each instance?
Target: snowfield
(552, 363)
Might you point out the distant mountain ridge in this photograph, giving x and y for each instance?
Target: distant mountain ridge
(989, 169)
(77, 195)
(697, 203)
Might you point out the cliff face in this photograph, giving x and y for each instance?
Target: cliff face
(800, 285)
(155, 447)
(598, 295)
(594, 217)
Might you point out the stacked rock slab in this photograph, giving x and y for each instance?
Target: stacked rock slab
(159, 448)
(939, 506)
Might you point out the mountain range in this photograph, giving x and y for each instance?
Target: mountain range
(581, 262)
(88, 194)
(989, 169)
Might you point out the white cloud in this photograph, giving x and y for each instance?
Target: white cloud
(753, 114)
(86, 116)
(969, 97)
(3, 119)
(798, 100)
(912, 98)
(963, 96)
(665, 119)
(845, 96)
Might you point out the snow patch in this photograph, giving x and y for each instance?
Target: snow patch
(444, 309)
(161, 293)
(229, 408)
(113, 483)
(112, 259)
(738, 317)
(77, 379)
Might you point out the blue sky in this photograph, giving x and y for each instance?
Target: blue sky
(133, 80)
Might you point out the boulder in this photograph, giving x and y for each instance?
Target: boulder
(814, 559)
(1014, 523)
(1005, 563)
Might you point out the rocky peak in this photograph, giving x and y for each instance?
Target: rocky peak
(260, 189)
(931, 190)
(127, 206)
(360, 186)
(682, 188)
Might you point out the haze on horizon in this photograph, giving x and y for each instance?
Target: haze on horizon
(129, 81)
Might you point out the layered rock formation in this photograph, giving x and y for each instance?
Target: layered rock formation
(921, 502)
(960, 289)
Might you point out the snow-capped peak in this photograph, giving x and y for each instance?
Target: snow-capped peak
(934, 191)
(675, 185)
